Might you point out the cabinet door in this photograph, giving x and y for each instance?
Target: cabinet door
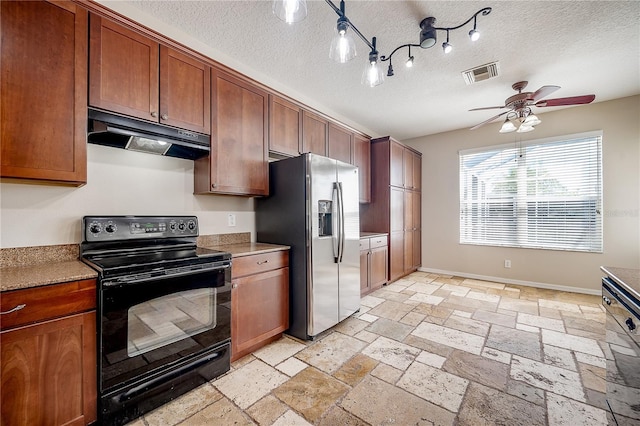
(43, 91)
(417, 229)
(49, 372)
(315, 130)
(364, 272)
(417, 172)
(340, 142)
(123, 70)
(378, 267)
(396, 163)
(285, 126)
(238, 163)
(396, 255)
(407, 162)
(185, 91)
(259, 309)
(362, 159)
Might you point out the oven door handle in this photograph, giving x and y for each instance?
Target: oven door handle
(145, 386)
(108, 283)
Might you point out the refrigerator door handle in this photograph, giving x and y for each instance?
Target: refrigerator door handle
(335, 237)
(341, 215)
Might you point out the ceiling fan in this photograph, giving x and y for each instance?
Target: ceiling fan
(519, 115)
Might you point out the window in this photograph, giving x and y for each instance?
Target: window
(543, 194)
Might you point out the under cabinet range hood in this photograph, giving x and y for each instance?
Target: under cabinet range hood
(118, 131)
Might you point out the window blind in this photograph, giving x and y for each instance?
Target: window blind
(544, 194)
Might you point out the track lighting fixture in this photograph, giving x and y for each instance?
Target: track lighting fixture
(343, 46)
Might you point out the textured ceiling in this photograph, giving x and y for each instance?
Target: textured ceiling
(584, 47)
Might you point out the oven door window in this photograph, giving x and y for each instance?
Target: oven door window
(169, 319)
(147, 326)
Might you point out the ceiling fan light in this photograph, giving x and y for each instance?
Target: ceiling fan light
(524, 128)
(290, 11)
(343, 46)
(474, 35)
(507, 126)
(531, 120)
(447, 47)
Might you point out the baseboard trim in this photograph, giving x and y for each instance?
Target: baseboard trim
(516, 282)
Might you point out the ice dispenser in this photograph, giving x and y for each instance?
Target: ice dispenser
(324, 218)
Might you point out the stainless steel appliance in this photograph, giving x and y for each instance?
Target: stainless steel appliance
(119, 131)
(313, 207)
(164, 319)
(621, 299)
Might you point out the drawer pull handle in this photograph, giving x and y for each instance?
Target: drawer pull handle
(16, 309)
(260, 262)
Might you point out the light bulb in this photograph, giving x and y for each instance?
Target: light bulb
(343, 47)
(447, 47)
(409, 63)
(474, 35)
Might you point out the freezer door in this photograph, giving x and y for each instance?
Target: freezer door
(349, 267)
(323, 286)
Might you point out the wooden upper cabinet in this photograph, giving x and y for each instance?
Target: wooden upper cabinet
(238, 163)
(412, 170)
(340, 142)
(185, 91)
(134, 75)
(315, 130)
(417, 172)
(362, 159)
(396, 177)
(285, 126)
(43, 91)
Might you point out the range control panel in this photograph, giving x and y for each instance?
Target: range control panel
(110, 228)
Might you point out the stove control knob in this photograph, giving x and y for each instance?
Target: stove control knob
(111, 228)
(191, 225)
(95, 228)
(181, 226)
(172, 226)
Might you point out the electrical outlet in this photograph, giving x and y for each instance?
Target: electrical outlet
(231, 219)
(507, 263)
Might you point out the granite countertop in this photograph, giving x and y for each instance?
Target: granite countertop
(372, 234)
(628, 278)
(246, 249)
(20, 277)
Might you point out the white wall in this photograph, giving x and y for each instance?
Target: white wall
(119, 182)
(441, 251)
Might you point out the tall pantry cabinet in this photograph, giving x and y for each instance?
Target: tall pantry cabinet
(396, 199)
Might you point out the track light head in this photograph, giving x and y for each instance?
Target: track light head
(428, 35)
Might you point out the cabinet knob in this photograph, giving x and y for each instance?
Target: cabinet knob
(234, 285)
(154, 114)
(261, 262)
(213, 185)
(16, 309)
(164, 116)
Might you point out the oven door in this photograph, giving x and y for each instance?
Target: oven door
(152, 325)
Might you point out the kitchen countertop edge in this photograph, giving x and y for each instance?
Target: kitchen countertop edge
(22, 277)
(628, 278)
(247, 249)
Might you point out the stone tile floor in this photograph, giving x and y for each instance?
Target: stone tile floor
(425, 350)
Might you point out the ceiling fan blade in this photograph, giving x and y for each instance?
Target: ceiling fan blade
(489, 120)
(573, 100)
(543, 91)
(483, 108)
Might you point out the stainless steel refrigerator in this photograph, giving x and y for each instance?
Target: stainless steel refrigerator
(313, 207)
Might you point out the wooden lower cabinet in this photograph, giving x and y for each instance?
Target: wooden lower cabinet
(48, 368)
(374, 264)
(259, 301)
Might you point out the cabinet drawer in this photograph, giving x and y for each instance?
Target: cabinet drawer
(256, 263)
(46, 302)
(378, 241)
(364, 244)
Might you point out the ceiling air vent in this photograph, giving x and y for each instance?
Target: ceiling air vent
(483, 72)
